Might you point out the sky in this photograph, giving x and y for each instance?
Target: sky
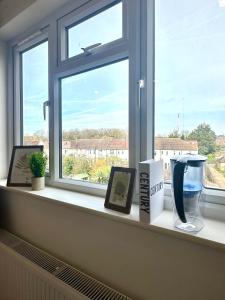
(189, 73)
(35, 88)
(94, 99)
(190, 65)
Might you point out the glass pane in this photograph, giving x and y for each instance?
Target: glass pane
(189, 78)
(101, 28)
(95, 123)
(35, 92)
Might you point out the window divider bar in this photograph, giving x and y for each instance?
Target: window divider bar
(53, 99)
(147, 73)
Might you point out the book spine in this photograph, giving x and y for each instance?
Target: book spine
(144, 193)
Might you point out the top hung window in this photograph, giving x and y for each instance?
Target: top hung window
(98, 29)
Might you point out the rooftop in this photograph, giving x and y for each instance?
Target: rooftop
(220, 141)
(107, 143)
(165, 143)
(161, 143)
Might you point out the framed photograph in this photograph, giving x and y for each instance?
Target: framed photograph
(120, 189)
(19, 170)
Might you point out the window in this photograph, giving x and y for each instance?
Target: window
(95, 116)
(189, 76)
(100, 29)
(102, 25)
(88, 96)
(97, 113)
(34, 94)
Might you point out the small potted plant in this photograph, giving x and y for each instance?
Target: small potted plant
(37, 162)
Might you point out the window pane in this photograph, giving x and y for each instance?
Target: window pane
(95, 122)
(35, 92)
(190, 90)
(101, 28)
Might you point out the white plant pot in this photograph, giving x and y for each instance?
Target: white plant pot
(38, 183)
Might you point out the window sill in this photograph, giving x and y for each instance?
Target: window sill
(212, 235)
(89, 203)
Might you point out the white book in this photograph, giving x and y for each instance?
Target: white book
(151, 190)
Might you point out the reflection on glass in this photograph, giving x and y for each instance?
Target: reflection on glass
(101, 28)
(95, 122)
(189, 84)
(34, 93)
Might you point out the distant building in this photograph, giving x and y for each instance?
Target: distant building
(96, 148)
(33, 141)
(166, 147)
(220, 142)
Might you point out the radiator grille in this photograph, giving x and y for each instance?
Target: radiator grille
(9, 239)
(38, 257)
(88, 286)
(85, 285)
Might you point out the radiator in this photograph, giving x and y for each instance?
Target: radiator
(28, 273)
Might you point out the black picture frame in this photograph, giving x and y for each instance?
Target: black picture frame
(120, 189)
(20, 175)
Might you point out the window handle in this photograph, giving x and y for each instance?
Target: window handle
(141, 85)
(87, 49)
(45, 104)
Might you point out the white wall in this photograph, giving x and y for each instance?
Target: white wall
(141, 263)
(3, 109)
(30, 16)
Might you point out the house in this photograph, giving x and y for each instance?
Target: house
(96, 148)
(144, 262)
(165, 148)
(220, 142)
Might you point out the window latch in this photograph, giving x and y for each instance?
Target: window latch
(45, 104)
(87, 49)
(141, 85)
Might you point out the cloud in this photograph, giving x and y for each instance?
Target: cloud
(116, 97)
(114, 119)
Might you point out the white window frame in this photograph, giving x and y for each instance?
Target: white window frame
(137, 43)
(81, 14)
(213, 200)
(126, 47)
(30, 42)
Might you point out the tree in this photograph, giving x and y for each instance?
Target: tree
(68, 164)
(206, 138)
(100, 171)
(184, 134)
(40, 135)
(82, 165)
(73, 134)
(174, 134)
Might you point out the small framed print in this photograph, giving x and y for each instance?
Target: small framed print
(120, 189)
(19, 170)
